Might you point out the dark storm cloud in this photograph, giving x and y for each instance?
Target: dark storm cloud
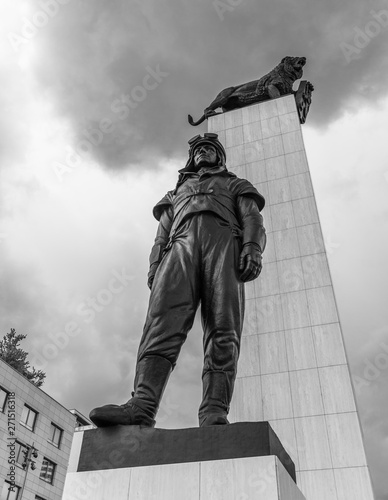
(95, 53)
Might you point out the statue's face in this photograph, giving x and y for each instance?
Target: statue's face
(205, 154)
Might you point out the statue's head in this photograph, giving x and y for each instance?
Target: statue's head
(294, 65)
(205, 155)
(206, 150)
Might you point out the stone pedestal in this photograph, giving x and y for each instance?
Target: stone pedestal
(257, 478)
(244, 461)
(293, 370)
(133, 446)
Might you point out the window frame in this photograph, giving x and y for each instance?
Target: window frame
(25, 424)
(48, 481)
(20, 445)
(18, 489)
(3, 407)
(54, 428)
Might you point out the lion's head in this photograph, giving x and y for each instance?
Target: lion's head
(294, 65)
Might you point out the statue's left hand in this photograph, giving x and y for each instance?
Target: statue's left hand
(250, 263)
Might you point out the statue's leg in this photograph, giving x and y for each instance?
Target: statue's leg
(273, 91)
(173, 303)
(152, 375)
(222, 318)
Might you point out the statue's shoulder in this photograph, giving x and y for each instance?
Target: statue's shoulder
(242, 187)
(237, 182)
(163, 204)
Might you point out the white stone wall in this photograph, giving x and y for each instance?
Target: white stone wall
(49, 411)
(256, 478)
(293, 370)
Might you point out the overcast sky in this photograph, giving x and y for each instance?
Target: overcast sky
(76, 221)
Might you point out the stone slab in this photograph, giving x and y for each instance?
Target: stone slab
(134, 446)
(252, 478)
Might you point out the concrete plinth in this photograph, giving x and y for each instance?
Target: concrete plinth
(255, 478)
(133, 446)
(240, 461)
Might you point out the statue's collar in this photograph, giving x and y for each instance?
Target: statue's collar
(217, 169)
(203, 172)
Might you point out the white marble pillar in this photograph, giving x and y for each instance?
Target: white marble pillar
(293, 369)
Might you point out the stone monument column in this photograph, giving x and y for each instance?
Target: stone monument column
(293, 370)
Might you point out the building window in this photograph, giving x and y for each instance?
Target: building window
(47, 471)
(55, 435)
(20, 455)
(10, 492)
(29, 417)
(3, 399)
(39, 498)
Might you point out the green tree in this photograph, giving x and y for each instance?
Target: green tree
(11, 353)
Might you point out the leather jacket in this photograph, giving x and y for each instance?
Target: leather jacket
(214, 190)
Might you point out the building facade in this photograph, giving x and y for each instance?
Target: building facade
(36, 429)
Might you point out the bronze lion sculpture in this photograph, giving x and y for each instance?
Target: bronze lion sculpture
(276, 83)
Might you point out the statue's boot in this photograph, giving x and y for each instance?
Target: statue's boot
(152, 373)
(217, 394)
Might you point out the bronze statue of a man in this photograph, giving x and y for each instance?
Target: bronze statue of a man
(209, 242)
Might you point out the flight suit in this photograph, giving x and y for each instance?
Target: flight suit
(209, 240)
(203, 225)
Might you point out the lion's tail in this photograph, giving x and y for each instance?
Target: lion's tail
(193, 123)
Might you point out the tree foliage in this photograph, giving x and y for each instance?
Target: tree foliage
(16, 357)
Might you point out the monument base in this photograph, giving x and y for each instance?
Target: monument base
(134, 446)
(254, 478)
(241, 461)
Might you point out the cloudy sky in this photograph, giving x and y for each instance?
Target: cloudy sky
(94, 99)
